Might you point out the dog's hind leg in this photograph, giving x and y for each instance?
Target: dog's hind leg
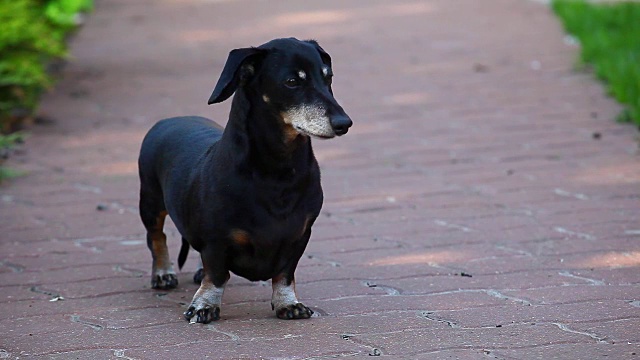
(199, 274)
(153, 214)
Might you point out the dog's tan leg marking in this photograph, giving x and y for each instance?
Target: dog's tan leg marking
(163, 275)
(206, 302)
(159, 243)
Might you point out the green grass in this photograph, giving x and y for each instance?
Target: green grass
(609, 36)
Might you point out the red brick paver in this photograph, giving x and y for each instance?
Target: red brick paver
(484, 205)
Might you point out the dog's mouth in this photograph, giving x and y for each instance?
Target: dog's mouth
(310, 121)
(305, 132)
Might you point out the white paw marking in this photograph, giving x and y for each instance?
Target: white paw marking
(283, 294)
(208, 295)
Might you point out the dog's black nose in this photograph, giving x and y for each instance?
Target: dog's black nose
(341, 124)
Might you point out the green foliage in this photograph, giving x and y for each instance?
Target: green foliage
(65, 12)
(8, 173)
(609, 36)
(32, 34)
(7, 142)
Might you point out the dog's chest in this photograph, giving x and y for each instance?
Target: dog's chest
(282, 199)
(272, 224)
(261, 252)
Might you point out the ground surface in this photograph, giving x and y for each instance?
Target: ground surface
(484, 205)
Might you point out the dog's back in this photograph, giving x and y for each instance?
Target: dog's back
(164, 144)
(170, 151)
(176, 144)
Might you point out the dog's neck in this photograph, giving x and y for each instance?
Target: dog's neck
(262, 140)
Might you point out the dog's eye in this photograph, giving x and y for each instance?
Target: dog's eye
(292, 82)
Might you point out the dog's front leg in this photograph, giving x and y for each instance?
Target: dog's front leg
(207, 301)
(284, 300)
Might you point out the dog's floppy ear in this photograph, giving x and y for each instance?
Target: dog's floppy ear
(326, 59)
(240, 64)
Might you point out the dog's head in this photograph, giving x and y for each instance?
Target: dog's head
(292, 78)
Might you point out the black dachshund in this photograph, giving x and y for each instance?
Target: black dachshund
(245, 196)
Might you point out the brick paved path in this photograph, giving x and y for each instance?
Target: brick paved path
(485, 205)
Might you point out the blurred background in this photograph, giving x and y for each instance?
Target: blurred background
(484, 204)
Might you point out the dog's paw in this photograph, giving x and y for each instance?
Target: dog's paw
(205, 306)
(164, 281)
(198, 276)
(202, 315)
(294, 311)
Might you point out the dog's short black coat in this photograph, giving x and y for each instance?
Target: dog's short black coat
(245, 196)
